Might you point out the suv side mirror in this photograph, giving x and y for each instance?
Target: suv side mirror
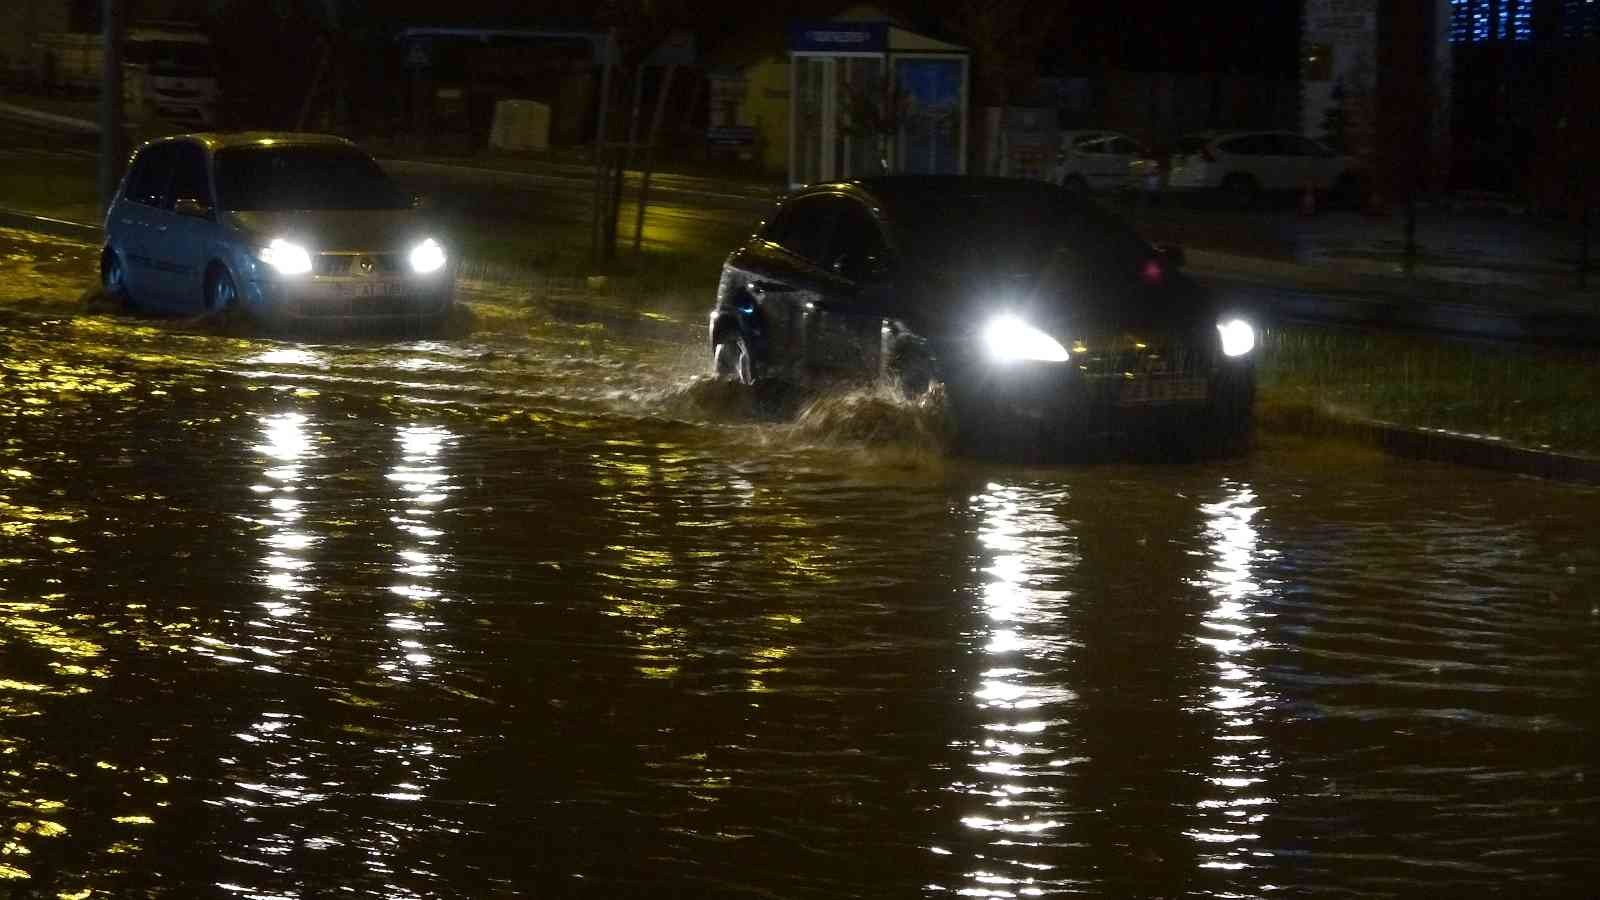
(416, 201)
(861, 266)
(194, 209)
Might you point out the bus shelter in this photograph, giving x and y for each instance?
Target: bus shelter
(872, 98)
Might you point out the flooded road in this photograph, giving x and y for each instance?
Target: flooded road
(537, 611)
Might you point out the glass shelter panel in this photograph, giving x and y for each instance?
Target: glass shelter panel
(929, 90)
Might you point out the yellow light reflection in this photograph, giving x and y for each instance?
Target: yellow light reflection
(1227, 820)
(1016, 769)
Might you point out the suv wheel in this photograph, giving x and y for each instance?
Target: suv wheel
(1242, 191)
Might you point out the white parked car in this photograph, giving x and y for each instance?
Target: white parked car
(1102, 161)
(1243, 164)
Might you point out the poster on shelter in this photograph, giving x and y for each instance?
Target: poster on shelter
(930, 120)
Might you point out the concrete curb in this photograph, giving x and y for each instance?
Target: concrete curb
(11, 110)
(1435, 445)
(78, 231)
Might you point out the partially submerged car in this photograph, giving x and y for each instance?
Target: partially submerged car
(284, 227)
(1026, 302)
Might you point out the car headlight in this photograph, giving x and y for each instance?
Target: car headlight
(1238, 338)
(287, 257)
(1009, 339)
(427, 257)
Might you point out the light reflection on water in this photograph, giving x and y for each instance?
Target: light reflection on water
(1019, 764)
(388, 640)
(1230, 820)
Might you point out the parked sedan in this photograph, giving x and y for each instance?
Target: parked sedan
(1244, 164)
(1103, 161)
(284, 227)
(1028, 304)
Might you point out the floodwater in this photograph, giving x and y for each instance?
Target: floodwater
(537, 611)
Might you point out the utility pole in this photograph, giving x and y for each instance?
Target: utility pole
(112, 150)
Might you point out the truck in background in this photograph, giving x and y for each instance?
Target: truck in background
(169, 70)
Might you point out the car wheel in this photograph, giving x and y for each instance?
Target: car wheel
(221, 295)
(1076, 184)
(912, 374)
(730, 358)
(114, 279)
(1242, 191)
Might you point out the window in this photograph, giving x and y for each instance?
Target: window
(856, 239)
(1304, 146)
(801, 227)
(1121, 146)
(1250, 145)
(1089, 143)
(189, 181)
(1318, 62)
(303, 177)
(1475, 21)
(151, 177)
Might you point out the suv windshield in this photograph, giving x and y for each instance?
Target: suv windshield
(980, 231)
(276, 178)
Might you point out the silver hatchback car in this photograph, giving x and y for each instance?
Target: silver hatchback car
(283, 227)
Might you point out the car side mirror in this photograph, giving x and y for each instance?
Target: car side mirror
(194, 209)
(861, 267)
(1173, 255)
(416, 201)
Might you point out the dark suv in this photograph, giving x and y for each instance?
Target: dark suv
(1026, 302)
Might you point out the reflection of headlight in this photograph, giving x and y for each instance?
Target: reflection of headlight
(427, 257)
(1008, 338)
(288, 258)
(1238, 338)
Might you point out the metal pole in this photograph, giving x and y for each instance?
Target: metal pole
(649, 155)
(601, 204)
(111, 138)
(624, 160)
(1583, 248)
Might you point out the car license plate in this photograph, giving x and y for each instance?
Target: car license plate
(365, 289)
(1142, 391)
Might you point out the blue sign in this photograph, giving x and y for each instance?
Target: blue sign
(839, 37)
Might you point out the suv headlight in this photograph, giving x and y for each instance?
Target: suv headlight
(1238, 338)
(427, 257)
(287, 257)
(1009, 339)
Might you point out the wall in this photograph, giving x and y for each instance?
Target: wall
(766, 108)
(20, 22)
(1339, 48)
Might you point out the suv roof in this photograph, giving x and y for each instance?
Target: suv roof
(214, 141)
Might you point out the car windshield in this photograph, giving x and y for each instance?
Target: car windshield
(277, 178)
(1017, 232)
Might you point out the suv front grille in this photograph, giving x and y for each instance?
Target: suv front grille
(349, 264)
(1166, 360)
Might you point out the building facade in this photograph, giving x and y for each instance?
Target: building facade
(1376, 83)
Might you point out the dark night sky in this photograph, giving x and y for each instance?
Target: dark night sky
(1245, 36)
